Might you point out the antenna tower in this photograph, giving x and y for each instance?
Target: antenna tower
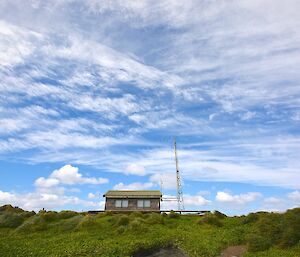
(178, 180)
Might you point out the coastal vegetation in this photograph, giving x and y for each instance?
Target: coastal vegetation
(68, 233)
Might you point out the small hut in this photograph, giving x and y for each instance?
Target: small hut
(132, 200)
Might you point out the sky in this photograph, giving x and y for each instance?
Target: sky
(93, 93)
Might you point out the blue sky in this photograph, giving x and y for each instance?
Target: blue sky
(93, 93)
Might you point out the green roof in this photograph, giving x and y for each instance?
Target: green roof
(133, 194)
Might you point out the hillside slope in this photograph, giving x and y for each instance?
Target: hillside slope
(69, 233)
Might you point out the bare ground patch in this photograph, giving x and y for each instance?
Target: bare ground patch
(234, 251)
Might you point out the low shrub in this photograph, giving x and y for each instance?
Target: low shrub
(155, 218)
(49, 215)
(258, 243)
(271, 226)
(268, 231)
(87, 221)
(71, 223)
(173, 215)
(290, 238)
(210, 219)
(123, 220)
(113, 219)
(10, 208)
(10, 220)
(104, 214)
(137, 214)
(291, 233)
(33, 224)
(219, 215)
(66, 214)
(27, 214)
(120, 230)
(250, 218)
(137, 225)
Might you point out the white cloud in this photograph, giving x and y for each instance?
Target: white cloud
(254, 162)
(67, 175)
(212, 116)
(273, 200)
(135, 169)
(91, 196)
(6, 197)
(191, 202)
(204, 192)
(46, 182)
(195, 201)
(36, 201)
(248, 115)
(16, 44)
(49, 195)
(167, 180)
(237, 199)
(295, 196)
(133, 186)
(296, 116)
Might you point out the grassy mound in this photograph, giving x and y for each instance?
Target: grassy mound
(10, 208)
(211, 219)
(72, 223)
(154, 218)
(67, 214)
(86, 222)
(34, 224)
(250, 218)
(273, 229)
(10, 220)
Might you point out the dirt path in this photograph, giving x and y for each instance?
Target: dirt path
(234, 251)
(165, 252)
(231, 251)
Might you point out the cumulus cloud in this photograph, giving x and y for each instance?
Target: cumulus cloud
(36, 201)
(6, 197)
(195, 200)
(50, 194)
(225, 197)
(46, 182)
(67, 175)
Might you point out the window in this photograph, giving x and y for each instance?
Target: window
(140, 204)
(143, 203)
(121, 203)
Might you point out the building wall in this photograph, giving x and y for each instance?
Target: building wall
(132, 205)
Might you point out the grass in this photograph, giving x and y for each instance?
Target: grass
(107, 234)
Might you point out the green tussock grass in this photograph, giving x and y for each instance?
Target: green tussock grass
(70, 233)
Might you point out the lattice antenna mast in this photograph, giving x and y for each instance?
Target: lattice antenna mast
(178, 180)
